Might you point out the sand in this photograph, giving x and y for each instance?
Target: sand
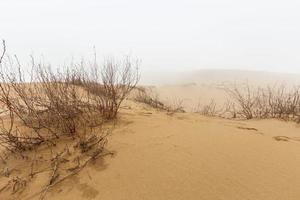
(186, 156)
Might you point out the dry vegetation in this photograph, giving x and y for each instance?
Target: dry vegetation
(149, 97)
(272, 102)
(209, 109)
(247, 102)
(47, 108)
(243, 101)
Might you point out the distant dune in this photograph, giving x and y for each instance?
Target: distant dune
(208, 77)
(202, 86)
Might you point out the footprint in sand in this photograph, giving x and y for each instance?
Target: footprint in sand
(249, 129)
(88, 192)
(285, 138)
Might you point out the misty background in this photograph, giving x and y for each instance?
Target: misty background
(168, 35)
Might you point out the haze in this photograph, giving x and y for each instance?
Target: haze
(165, 35)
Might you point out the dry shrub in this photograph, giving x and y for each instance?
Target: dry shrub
(109, 87)
(10, 136)
(245, 98)
(149, 97)
(209, 109)
(248, 102)
(54, 103)
(51, 107)
(271, 102)
(175, 105)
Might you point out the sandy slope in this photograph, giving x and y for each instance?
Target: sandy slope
(186, 156)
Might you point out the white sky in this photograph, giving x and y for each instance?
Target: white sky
(164, 34)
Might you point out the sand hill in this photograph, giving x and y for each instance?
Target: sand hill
(188, 156)
(181, 156)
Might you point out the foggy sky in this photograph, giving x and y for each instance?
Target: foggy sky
(168, 35)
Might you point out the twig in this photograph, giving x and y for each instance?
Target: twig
(3, 52)
(75, 171)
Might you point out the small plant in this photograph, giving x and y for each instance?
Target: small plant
(147, 96)
(209, 109)
(150, 98)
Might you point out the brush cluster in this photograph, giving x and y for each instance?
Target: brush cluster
(43, 105)
(248, 102)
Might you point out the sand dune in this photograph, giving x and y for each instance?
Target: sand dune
(187, 156)
(183, 156)
(203, 86)
(217, 77)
